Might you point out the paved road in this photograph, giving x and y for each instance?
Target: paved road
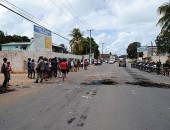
(133, 102)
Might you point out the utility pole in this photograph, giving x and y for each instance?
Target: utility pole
(102, 48)
(90, 30)
(151, 48)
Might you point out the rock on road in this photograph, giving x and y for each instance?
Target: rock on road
(128, 104)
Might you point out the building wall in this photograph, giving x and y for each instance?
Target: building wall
(149, 52)
(18, 59)
(11, 48)
(161, 58)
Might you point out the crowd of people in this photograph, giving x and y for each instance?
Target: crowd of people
(53, 67)
(44, 69)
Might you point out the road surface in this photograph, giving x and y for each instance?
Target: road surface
(132, 100)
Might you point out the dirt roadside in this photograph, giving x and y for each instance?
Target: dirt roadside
(21, 87)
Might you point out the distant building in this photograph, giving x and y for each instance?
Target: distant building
(56, 48)
(15, 46)
(151, 51)
(27, 46)
(104, 56)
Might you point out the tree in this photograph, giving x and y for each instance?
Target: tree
(163, 42)
(65, 48)
(15, 38)
(2, 37)
(164, 21)
(163, 39)
(25, 39)
(132, 50)
(86, 47)
(75, 42)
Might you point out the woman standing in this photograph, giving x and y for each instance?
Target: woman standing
(63, 66)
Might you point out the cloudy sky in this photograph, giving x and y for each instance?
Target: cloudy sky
(114, 22)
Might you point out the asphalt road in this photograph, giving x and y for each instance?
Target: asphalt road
(132, 102)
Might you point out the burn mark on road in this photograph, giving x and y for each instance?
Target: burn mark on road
(71, 120)
(99, 82)
(83, 117)
(149, 84)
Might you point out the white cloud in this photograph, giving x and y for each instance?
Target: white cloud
(116, 23)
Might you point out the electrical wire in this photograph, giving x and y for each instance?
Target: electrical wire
(77, 12)
(30, 20)
(73, 12)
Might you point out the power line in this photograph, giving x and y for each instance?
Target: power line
(29, 15)
(63, 11)
(30, 19)
(75, 11)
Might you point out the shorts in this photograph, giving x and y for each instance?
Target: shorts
(63, 71)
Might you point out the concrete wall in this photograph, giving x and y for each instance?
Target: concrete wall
(18, 59)
(161, 58)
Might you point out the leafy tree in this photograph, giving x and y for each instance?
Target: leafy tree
(2, 37)
(15, 38)
(65, 48)
(75, 42)
(132, 50)
(86, 47)
(163, 39)
(164, 11)
(163, 42)
(25, 39)
(80, 45)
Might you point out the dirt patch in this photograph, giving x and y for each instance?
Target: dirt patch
(149, 84)
(99, 82)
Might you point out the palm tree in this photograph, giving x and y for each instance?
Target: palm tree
(162, 41)
(75, 42)
(164, 21)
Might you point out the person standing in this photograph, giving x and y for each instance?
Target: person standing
(32, 69)
(4, 71)
(40, 69)
(72, 65)
(55, 66)
(158, 67)
(9, 69)
(63, 66)
(75, 65)
(29, 67)
(166, 67)
(85, 64)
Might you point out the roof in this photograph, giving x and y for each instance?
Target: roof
(16, 43)
(53, 44)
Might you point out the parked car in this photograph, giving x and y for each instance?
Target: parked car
(122, 63)
(111, 61)
(98, 62)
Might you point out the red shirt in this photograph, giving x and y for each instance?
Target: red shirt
(63, 65)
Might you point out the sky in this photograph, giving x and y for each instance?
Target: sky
(115, 23)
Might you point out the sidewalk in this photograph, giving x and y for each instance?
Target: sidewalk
(17, 79)
(22, 79)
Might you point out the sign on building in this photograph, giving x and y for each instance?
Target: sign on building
(42, 39)
(142, 49)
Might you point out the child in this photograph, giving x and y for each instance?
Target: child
(9, 69)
